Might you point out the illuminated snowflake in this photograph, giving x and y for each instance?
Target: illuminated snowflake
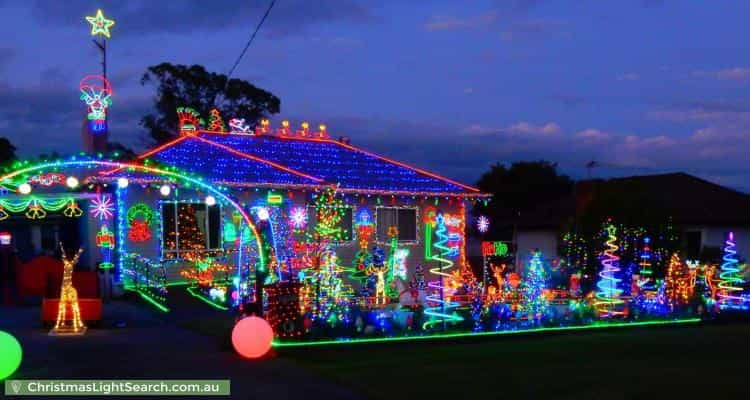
(102, 207)
(298, 217)
(483, 224)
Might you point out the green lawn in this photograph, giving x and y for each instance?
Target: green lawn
(691, 361)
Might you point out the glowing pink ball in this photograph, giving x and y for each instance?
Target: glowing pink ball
(252, 337)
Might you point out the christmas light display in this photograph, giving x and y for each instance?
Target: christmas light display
(365, 229)
(12, 355)
(645, 273)
(215, 122)
(105, 241)
(678, 282)
(535, 282)
(37, 208)
(140, 217)
(96, 92)
(24, 188)
(730, 285)
(252, 337)
(483, 224)
(189, 120)
(608, 296)
(72, 182)
(99, 24)
(68, 298)
(335, 162)
(494, 249)
(147, 278)
(102, 207)
(274, 198)
(118, 166)
(298, 218)
(441, 294)
(239, 126)
(48, 179)
(283, 309)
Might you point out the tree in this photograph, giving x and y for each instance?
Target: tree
(193, 86)
(7, 152)
(535, 282)
(519, 190)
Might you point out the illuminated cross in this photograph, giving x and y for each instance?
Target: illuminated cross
(99, 24)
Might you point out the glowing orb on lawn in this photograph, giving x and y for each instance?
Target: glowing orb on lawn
(11, 354)
(252, 337)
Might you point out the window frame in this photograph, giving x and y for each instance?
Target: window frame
(400, 241)
(352, 231)
(176, 252)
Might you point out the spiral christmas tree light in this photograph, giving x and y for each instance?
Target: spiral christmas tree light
(730, 285)
(608, 295)
(441, 290)
(645, 272)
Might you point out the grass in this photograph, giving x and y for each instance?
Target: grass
(690, 361)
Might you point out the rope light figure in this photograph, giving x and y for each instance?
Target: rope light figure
(608, 295)
(730, 285)
(96, 92)
(68, 297)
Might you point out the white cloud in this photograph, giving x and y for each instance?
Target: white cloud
(738, 74)
(593, 135)
(526, 128)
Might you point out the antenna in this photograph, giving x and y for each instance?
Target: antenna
(590, 166)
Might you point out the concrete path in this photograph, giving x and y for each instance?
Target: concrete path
(153, 346)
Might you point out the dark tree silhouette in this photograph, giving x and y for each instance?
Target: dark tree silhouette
(518, 190)
(7, 152)
(193, 86)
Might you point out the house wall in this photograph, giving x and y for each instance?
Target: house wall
(715, 236)
(530, 240)
(248, 198)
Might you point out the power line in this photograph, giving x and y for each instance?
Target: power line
(257, 28)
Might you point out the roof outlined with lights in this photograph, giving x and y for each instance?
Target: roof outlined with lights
(271, 160)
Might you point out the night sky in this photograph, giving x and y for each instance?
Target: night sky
(453, 86)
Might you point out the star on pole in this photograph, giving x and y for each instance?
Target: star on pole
(99, 24)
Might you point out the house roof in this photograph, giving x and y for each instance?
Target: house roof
(252, 160)
(686, 198)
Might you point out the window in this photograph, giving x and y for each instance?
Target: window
(189, 227)
(405, 219)
(345, 224)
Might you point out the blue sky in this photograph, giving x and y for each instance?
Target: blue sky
(453, 86)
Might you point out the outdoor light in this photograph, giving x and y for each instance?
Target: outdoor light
(210, 200)
(24, 188)
(12, 354)
(263, 214)
(72, 182)
(122, 183)
(252, 337)
(165, 190)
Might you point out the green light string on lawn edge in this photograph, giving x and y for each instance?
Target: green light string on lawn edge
(439, 336)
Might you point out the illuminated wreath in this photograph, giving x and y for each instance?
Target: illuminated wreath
(140, 217)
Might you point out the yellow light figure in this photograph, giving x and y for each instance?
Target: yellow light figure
(99, 24)
(68, 297)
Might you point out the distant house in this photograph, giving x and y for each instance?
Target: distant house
(701, 210)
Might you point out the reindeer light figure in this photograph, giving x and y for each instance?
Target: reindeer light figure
(68, 296)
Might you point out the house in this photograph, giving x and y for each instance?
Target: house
(242, 199)
(701, 210)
